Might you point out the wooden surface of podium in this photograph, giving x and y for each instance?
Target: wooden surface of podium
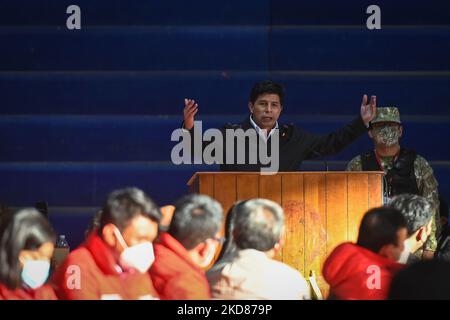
(322, 209)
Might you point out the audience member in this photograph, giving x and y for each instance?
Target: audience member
(186, 248)
(113, 262)
(26, 248)
(419, 217)
(250, 271)
(364, 271)
(425, 280)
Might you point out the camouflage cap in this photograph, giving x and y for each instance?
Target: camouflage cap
(387, 114)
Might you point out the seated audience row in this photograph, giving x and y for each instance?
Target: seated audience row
(136, 250)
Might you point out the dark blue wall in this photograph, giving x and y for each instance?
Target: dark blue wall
(83, 112)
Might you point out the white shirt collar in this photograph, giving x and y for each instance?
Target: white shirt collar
(260, 131)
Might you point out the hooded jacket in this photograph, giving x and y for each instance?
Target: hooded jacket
(91, 272)
(356, 273)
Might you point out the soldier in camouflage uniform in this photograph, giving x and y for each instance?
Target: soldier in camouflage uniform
(406, 171)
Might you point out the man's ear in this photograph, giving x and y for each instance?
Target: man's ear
(109, 236)
(401, 131)
(421, 235)
(277, 247)
(202, 249)
(250, 107)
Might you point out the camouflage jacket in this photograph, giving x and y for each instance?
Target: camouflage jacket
(426, 182)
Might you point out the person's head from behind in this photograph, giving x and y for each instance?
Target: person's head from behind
(259, 225)
(418, 214)
(424, 280)
(266, 103)
(26, 248)
(383, 231)
(386, 128)
(229, 245)
(196, 223)
(128, 224)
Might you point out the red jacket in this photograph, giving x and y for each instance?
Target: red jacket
(42, 293)
(175, 275)
(355, 273)
(91, 272)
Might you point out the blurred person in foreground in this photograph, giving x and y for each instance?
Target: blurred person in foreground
(419, 218)
(364, 270)
(26, 248)
(250, 271)
(112, 263)
(189, 246)
(425, 280)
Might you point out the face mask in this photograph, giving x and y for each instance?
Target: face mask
(386, 135)
(35, 273)
(404, 255)
(139, 257)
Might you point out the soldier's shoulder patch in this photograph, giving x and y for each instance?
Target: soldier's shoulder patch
(421, 160)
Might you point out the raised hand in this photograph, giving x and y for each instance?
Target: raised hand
(190, 110)
(368, 110)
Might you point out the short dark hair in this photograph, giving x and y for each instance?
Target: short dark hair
(195, 219)
(27, 229)
(379, 227)
(125, 204)
(424, 280)
(416, 210)
(267, 87)
(258, 225)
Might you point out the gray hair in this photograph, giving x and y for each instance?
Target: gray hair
(258, 225)
(196, 218)
(416, 210)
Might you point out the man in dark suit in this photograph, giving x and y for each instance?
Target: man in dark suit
(294, 144)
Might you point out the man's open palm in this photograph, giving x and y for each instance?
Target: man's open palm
(190, 110)
(368, 110)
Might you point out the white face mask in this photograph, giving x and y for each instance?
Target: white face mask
(404, 255)
(139, 257)
(35, 273)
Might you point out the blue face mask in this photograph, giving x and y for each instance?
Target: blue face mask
(35, 273)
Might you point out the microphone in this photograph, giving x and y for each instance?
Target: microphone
(319, 155)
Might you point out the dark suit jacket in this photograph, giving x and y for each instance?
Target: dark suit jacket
(295, 145)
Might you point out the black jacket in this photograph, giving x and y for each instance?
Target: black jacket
(296, 145)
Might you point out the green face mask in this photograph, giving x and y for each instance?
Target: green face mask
(386, 135)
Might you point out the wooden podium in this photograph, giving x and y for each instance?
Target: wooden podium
(322, 209)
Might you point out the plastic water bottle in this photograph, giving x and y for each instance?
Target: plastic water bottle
(62, 242)
(62, 249)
